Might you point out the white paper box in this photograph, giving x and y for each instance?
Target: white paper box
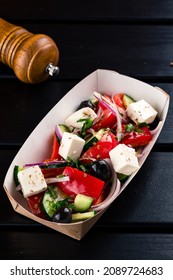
(103, 81)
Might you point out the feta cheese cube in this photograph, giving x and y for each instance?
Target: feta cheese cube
(141, 111)
(124, 160)
(32, 181)
(71, 146)
(84, 113)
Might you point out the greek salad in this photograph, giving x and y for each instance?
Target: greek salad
(104, 136)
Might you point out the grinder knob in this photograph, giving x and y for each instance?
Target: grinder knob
(33, 57)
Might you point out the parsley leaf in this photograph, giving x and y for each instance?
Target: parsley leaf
(129, 127)
(87, 124)
(64, 203)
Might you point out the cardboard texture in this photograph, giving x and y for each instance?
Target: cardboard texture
(34, 150)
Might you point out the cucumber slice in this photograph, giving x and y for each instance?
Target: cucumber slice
(50, 199)
(94, 139)
(93, 99)
(127, 100)
(60, 129)
(17, 169)
(82, 202)
(82, 216)
(122, 177)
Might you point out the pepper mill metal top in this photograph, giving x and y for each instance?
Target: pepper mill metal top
(33, 57)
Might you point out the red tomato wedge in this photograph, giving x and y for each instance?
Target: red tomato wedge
(137, 138)
(34, 202)
(52, 172)
(107, 120)
(107, 99)
(81, 183)
(118, 99)
(55, 148)
(102, 148)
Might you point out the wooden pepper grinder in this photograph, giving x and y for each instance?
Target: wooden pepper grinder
(33, 57)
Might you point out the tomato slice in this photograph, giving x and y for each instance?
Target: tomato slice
(81, 183)
(55, 150)
(118, 99)
(102, 148)
(107, 99)
(138, 138)
(107, 120)
(34, 202)
(52, 172)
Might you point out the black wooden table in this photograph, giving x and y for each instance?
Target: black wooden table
(134, 38)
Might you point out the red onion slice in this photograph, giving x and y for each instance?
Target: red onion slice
(57, 179)
(46, 163)
(113, 108)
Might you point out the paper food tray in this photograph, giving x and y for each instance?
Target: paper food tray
(34, 150)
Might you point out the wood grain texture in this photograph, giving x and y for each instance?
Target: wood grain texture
(25, 244)
(27, 54)
(135, 50)
(134, 38)
(91, 10)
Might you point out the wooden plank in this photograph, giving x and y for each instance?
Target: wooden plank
(28, 104)
(96, 245)
(135, 39)
(136, 50)
(91, 10)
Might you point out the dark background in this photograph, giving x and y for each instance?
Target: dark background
(134, 38)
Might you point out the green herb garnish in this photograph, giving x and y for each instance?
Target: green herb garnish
(129, 127)
(51, 192)
(87, 124)
(64, 203)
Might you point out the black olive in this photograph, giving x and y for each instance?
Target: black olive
(63, 215)
(154, 124)
(86, 103)
(101, 170)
